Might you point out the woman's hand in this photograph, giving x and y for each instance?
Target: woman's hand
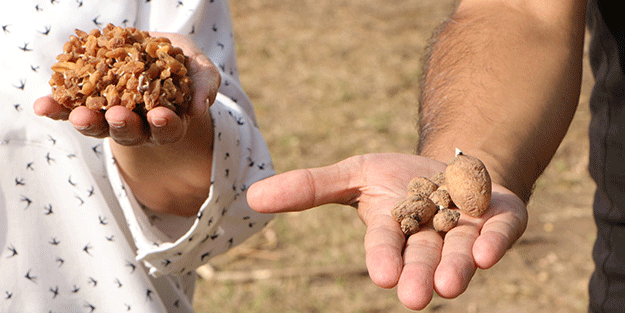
(166, 159)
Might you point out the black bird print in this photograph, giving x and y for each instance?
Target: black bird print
(19, 182)
(5, 28)
(49, 159)
(34, 68)
(86, 248)
(31, 277)
(96, 149)
(48, 209)
(54, 291)
(205, 239)
(46, 30)
(25, 47)
(132, 266)
(54, 242)
(92, 281)
(8, 295)
(96, 22)
(21, 86)
(13, 251)
(60, 261)
(27, 200)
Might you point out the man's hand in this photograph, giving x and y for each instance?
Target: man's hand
(427, 261)
(166, 159)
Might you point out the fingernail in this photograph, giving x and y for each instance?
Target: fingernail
(159, 122)
(83, 127)
(117, 124)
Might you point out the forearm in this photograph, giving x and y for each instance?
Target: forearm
(502, 83)
(173, 178)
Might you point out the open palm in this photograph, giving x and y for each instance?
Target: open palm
(426, 261)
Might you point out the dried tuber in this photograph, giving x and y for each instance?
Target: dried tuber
(121, 66)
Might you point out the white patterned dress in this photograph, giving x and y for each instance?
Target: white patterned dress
(72, 236)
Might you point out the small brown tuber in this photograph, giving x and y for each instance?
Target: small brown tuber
(465, 185)
(409, 226)
(438, 178)
(422, 185)
(468, 184)
(441, 198)
(445, 220)
(415, 206)
(121, 66)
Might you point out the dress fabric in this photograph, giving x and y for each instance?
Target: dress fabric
(72, 236)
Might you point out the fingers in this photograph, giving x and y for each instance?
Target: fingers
(203, 72)
(206, 80)
(456, 267)
(46, 106)
(502, 230)
(384, 243)
(479, 243)
(89, 122)
(421, 256)
(303, 189)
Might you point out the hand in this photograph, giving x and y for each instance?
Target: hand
(163, 125)
(425, 262)
(167, 159)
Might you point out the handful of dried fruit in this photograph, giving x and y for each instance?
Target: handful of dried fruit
(465, 186)
(121, 66)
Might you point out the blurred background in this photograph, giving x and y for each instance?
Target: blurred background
(334, 78)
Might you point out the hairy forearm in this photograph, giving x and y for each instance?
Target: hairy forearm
(502, 83)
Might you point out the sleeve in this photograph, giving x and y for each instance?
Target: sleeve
(170, 244)
(240, 157)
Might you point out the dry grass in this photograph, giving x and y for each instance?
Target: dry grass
(330, 79)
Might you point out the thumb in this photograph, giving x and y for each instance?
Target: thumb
(303, 189)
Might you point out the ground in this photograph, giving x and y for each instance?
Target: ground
(334, 78)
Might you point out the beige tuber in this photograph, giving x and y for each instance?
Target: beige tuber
(468, 184)
(465, 186)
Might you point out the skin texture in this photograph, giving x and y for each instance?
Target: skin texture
(501, 83)
(166, 161)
